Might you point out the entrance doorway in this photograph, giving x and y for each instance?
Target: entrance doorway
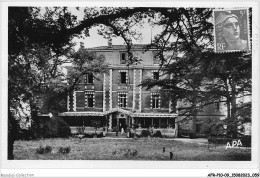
(122, 123)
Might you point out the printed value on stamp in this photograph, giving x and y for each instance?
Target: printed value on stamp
(231, 30)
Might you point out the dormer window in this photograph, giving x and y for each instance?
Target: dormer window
(90, 79)
(123, 57)
(156, 58)
(156, 75)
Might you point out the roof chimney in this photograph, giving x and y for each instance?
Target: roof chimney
(110, 42)
(81, 45)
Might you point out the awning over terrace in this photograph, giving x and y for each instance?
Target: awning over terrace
(123, 111)
(153, 115)
(82, 114)
(87, 113)
(129, 113)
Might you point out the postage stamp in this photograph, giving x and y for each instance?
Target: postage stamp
(231, 30)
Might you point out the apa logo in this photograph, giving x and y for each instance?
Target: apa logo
(234, 144)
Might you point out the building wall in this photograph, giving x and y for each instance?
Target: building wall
(77, 98)
(113, 57)
(107, 89)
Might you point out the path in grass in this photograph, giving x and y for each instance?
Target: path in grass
(126, 149)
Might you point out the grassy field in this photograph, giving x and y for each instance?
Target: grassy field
(126, 149)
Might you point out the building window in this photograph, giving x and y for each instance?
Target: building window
(123, 58)
(90, 78)
(90, 100)
(156, 58)
(123, 77)
(79, 99)
(156, 75)
(122, 100)
(155, 101)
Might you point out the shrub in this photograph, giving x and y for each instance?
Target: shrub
(97, 135)
(64, 150)
(130, 152)
(199, 135)
(158, 133)
(114, 152)
(134, 153)
(219, 140)
(80, 130)
(40, 150)
(192, 135)
(48, 149)
(88, 135)
(54, 127)
(145, 133)
(246, 141)
(43, 150)
(25, 134)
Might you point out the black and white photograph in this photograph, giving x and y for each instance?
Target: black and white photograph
(124, 86)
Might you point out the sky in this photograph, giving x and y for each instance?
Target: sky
(95, 39)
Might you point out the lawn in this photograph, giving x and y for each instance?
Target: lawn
(126, 149)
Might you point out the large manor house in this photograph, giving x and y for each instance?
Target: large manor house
(117, 99)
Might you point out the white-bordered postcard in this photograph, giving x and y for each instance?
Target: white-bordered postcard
(129, 89)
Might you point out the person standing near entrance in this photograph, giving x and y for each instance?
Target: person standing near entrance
(117, 129)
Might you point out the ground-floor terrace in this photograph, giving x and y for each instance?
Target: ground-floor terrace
(121, 120)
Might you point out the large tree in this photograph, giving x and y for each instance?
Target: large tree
(199, 75)
(39, 42)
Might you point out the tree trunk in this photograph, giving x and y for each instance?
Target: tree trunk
(228, 98)
(194, 120)
(12, 132)
(233, 108)
(228, 108)
(194, 128)
(10, 147)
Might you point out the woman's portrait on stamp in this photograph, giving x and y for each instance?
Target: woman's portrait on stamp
(231, 30)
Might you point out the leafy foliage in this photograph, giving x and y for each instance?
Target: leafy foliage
(158, 134)
(145, 133)
(199, 77)
(64, 150)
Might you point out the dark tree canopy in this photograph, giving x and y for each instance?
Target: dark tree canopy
(199, 76)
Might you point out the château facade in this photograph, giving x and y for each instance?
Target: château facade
(116, 98)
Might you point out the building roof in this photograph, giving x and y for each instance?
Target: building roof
(120, 47)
